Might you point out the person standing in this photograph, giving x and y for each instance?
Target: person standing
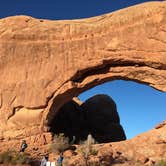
(23, 146)
(60, 159)
(44, 161)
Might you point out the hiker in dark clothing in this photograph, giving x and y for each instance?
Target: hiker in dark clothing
(23, 146)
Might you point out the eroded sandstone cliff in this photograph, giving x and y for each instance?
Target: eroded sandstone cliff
(44, 64)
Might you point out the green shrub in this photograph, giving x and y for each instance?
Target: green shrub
(93, 152)
(20, 158)
(5, 157)
(86, 148)
(161, 163)
(60, 143)
(13, 157)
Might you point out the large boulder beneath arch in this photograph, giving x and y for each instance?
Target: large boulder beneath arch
(100, 107)
(71, 121)
(103, 119)
(97, 115)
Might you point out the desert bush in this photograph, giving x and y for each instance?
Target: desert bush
(93, 151)
(60, 143)
(86, 148)
(161, 163)
(13, 157)
(5, 157)
(20, 158)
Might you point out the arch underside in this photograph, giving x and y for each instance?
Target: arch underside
(84, 80)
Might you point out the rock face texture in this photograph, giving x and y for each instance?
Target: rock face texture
(143, 150)
(44, 64)
(97, 116)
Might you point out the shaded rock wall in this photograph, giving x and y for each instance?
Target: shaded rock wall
(103, 119)
(97, 116)
(46, 62)
(70, 120)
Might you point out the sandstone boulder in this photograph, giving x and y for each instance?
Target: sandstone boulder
(101, 108)
(103, 119)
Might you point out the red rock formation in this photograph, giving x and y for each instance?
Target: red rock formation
(141, 150)
(49, 62)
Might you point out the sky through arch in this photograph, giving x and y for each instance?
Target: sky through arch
(140, 107)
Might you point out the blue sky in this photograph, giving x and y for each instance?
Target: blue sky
(62, 9)
(140, 107)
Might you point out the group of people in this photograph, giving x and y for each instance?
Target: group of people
(44, 160)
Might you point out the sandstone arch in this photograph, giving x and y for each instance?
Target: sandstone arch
(46, 62)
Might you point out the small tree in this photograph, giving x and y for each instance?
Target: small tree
(86, 148)
(60, 143)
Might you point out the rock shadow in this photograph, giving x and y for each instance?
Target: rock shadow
(97, 116)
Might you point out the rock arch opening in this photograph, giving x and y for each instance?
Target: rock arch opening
(99, 114)
(140, 106)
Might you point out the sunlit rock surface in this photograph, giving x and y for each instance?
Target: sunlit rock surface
(46, 63)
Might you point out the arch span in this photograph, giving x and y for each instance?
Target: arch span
(49, 62)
